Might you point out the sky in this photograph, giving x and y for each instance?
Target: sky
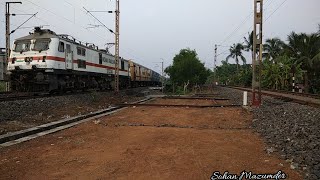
(152, 31)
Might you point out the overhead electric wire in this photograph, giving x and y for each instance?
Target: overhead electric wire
(103, 37)
(276, 10)
(243, 22)
(99, 21)
(24, 22)
(265, 20)
(237, 28)
(49, 11)
(240, 25)
(84, 11)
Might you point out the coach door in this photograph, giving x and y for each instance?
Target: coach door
(69, 57)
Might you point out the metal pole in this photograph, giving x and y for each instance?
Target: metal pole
(7, 55)
(117, 12)
(214, 64)
(162, 77)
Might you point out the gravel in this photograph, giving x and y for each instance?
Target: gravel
(291, 129)
(21, 114)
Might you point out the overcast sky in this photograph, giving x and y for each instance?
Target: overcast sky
(155, 29)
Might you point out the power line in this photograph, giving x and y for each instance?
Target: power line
(99, 21)
(237, 28)
(49, 11)
(62, 18)
(266, 18)
(240, 25)
(276, 9)
(61, 29)
(23, 23)
(243, 22)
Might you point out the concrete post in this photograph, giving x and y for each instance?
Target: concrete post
(245, 98)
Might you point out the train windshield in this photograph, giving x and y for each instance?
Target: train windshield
(22, 46)
(41, 45)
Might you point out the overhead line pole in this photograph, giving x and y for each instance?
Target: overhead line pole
(215, 62)
(117, 42)
(257, 58)
(7, 55)
(117, 46)
(162, 76)
(162, 73)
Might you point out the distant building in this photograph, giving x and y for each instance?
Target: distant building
(2, 63)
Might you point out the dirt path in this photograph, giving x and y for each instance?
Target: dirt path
(146, 143)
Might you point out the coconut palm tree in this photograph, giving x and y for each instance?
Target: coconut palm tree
(249, 43)
(236, 53)
(305, 49)
(273, 48)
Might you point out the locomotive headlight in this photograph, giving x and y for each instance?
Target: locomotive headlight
(30, 59)
(14, 60)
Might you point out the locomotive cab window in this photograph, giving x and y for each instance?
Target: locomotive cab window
(41, 45)
(61, 47)
(22, 46)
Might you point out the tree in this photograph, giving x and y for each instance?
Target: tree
(187, 69)
(278, 75)
(235, 53)
(249, 44)
(225, 74)
(273, 48)
(305, 49)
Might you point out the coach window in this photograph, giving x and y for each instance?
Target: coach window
(100, 58)
(68, 48)
(78, 51)
(83, 53)
(61, 47)
(81, 64)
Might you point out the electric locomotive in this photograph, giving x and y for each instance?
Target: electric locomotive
(44, 61)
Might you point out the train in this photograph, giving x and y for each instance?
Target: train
(44, 61)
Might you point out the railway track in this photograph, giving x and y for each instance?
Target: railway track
(301, 98)
(16, 96)
(12, 96)
(26, 96)
(31, 133)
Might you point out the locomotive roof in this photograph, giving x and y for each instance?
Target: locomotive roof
(40, 34)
